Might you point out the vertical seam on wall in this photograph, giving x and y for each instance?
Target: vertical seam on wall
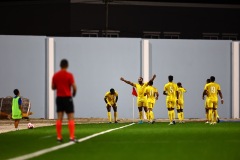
(235, 79)
(50, 72)
(145, 60)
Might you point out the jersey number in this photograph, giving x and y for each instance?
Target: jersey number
(213, 90)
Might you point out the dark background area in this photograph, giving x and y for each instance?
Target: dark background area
(189, 19)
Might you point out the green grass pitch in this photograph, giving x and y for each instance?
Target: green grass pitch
(192, 140)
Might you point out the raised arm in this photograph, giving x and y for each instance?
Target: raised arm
(152, 79)
(128, 82)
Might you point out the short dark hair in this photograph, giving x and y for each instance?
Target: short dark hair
(16, 91)
(179, 84)
(64, 63)
(212, 78)
(112, 90)
(170, 78)
(208, 80)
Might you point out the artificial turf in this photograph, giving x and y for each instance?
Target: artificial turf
(192, 140)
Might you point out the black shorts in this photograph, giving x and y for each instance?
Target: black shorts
(65, 104)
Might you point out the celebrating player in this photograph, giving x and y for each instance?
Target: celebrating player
(141, 99)
(213, 89)
(170, 90)
(152, 96)
(180, 102)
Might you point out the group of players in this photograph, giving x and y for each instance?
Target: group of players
(211, 91)
(64, 84)
(147, 95)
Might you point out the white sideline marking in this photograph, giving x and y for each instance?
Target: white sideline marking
(41, 152)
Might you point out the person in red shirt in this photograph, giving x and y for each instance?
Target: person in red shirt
(63, 82)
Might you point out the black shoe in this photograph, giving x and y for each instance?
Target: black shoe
(115, 122)
(73, 140)
(218, 120)
(153, 122)
(174, 122)
(59, 140)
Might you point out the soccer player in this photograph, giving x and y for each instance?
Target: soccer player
(16, 108)
(180, 102)
(63, 82)
(111, 99)
(152, 96)
(170, 90)
(141, 99)
(213, 89)
(206, 102)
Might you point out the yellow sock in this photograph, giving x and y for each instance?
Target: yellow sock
(115, 116)
(179, 116)
(210, 115)
(147, 115)
(217, 114)
(170, 116)
(109, 117)
(182, 116)
(214, 115)
(173, 115)
(152, 114)
(140, 115)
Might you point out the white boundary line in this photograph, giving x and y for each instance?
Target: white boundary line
(41, 152)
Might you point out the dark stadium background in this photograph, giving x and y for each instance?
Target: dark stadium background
(184, 19)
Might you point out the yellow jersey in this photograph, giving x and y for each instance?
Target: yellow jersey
(212, 89)
(150, 92)
(170, 88)
(111, 98)
(141, 90)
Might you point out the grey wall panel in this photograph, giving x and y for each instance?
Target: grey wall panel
(22, 66)
(192, 62)
(98, 64)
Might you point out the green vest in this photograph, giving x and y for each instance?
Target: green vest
(16, 111)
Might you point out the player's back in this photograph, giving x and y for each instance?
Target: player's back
(212, 90)
(181, 92)
(170, 88)
(150, 91)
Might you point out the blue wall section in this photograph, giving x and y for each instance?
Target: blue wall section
(98, 64)
(192, 62)
(22, 66)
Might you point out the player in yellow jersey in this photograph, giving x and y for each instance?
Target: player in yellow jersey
(141, 99)
(213, 89)
(180, 102)
(111, 99)
(170, 90)
(152, 96)
(206, 102)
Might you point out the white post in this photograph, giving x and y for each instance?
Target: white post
(50, 72)
(145, 63)
(145, 60)
(133, 110)
(235, 79)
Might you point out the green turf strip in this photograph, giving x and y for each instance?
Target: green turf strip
(17, 143)
(194, 140)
